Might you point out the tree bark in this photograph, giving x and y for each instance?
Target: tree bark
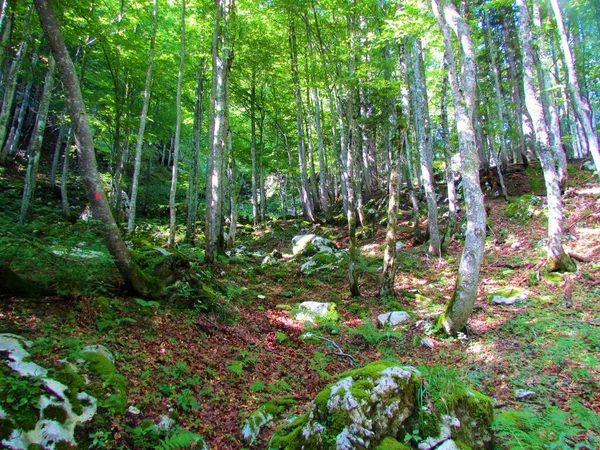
(219, 124)
(134, 278)
(579, 102)
(463, 92)
(173, 193)
(557, 259)
(140, 138)
(425, 145)
(304, 182)
(194, 176)
(35, 146)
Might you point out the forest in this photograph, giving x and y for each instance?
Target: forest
(299, 224)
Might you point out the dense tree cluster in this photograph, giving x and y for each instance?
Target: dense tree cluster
(281, 108)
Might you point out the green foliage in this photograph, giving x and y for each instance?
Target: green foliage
(181, 440)
(20, 398)
(523, 208)
(373, 336)
(258, 386)
(550, 427)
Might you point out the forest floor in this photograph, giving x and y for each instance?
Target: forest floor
(210, 370)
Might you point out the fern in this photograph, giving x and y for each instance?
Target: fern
(549, 428)
(183, 440)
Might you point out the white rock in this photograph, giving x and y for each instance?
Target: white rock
(426, 342)
(310, 311)
(501, 300)
(98, 348)
(269, 261)
(448, 445)
(302, 241)
(134, 411)
(399, 246)
(522, 393)
(165, 423)
(589, 165)
(163, 251)
(392, 318)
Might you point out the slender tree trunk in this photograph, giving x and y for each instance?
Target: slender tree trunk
(254, 177)
(304, 182)
(134, 278)
(140, 138)
(389, 257)
(35, 146)
(64, 179)
(543, 64)
(557, 258)
(448, 153)
(463, 92)
(219, 124)
(579, 102)
(261, 172)
(56, 157)
(10, 147)
(494, 70)
(234, 189)
(173, 193)
(194, 176)
(11, 84)
(425, 146)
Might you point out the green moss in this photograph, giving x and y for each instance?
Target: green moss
(75, 382)
(390, 443)
(106, 371)
(56, 413)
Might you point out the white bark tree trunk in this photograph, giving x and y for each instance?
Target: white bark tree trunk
(580, 103)
(557, 259)
(463, 92)
(173, 193)
(140, 138)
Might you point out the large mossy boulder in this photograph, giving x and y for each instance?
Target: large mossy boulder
(42, 407)
(378, 405)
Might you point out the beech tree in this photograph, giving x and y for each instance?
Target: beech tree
(463, 93)
(134, 278)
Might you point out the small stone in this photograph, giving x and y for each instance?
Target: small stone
(516, 245)
(269, 261)
(165, 423)
(134, 411)
(399, 246)
(501, 300)
(312, 311)
(523, 394)
(427, 342)
(392, 318)
(100, 349)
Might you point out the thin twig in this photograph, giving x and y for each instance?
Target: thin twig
(335, 345)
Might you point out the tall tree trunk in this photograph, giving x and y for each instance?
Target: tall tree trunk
(448, 154)
(463, 92)
(557, 259)
(494, 70)
(140, 138)
(305, 195)
(547, 97)
(194, 177)
(35, 146)
(254, 175)
(579, 102)
(56, 157)
(219, 124)
(234, 190)
(173, 193)
(134, 278)
(64, 179)
(261, 171)
(11, 83)
(10, 147)
(389, 257)
(425, 145)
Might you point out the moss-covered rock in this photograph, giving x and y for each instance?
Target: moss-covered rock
(263, 415)
(378, 405)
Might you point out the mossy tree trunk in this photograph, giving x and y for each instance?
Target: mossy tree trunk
(135, 279)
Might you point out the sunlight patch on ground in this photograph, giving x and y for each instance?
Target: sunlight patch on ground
(589, 191)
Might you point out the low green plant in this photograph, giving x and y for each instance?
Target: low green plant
(371, 335)
(549, 428)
